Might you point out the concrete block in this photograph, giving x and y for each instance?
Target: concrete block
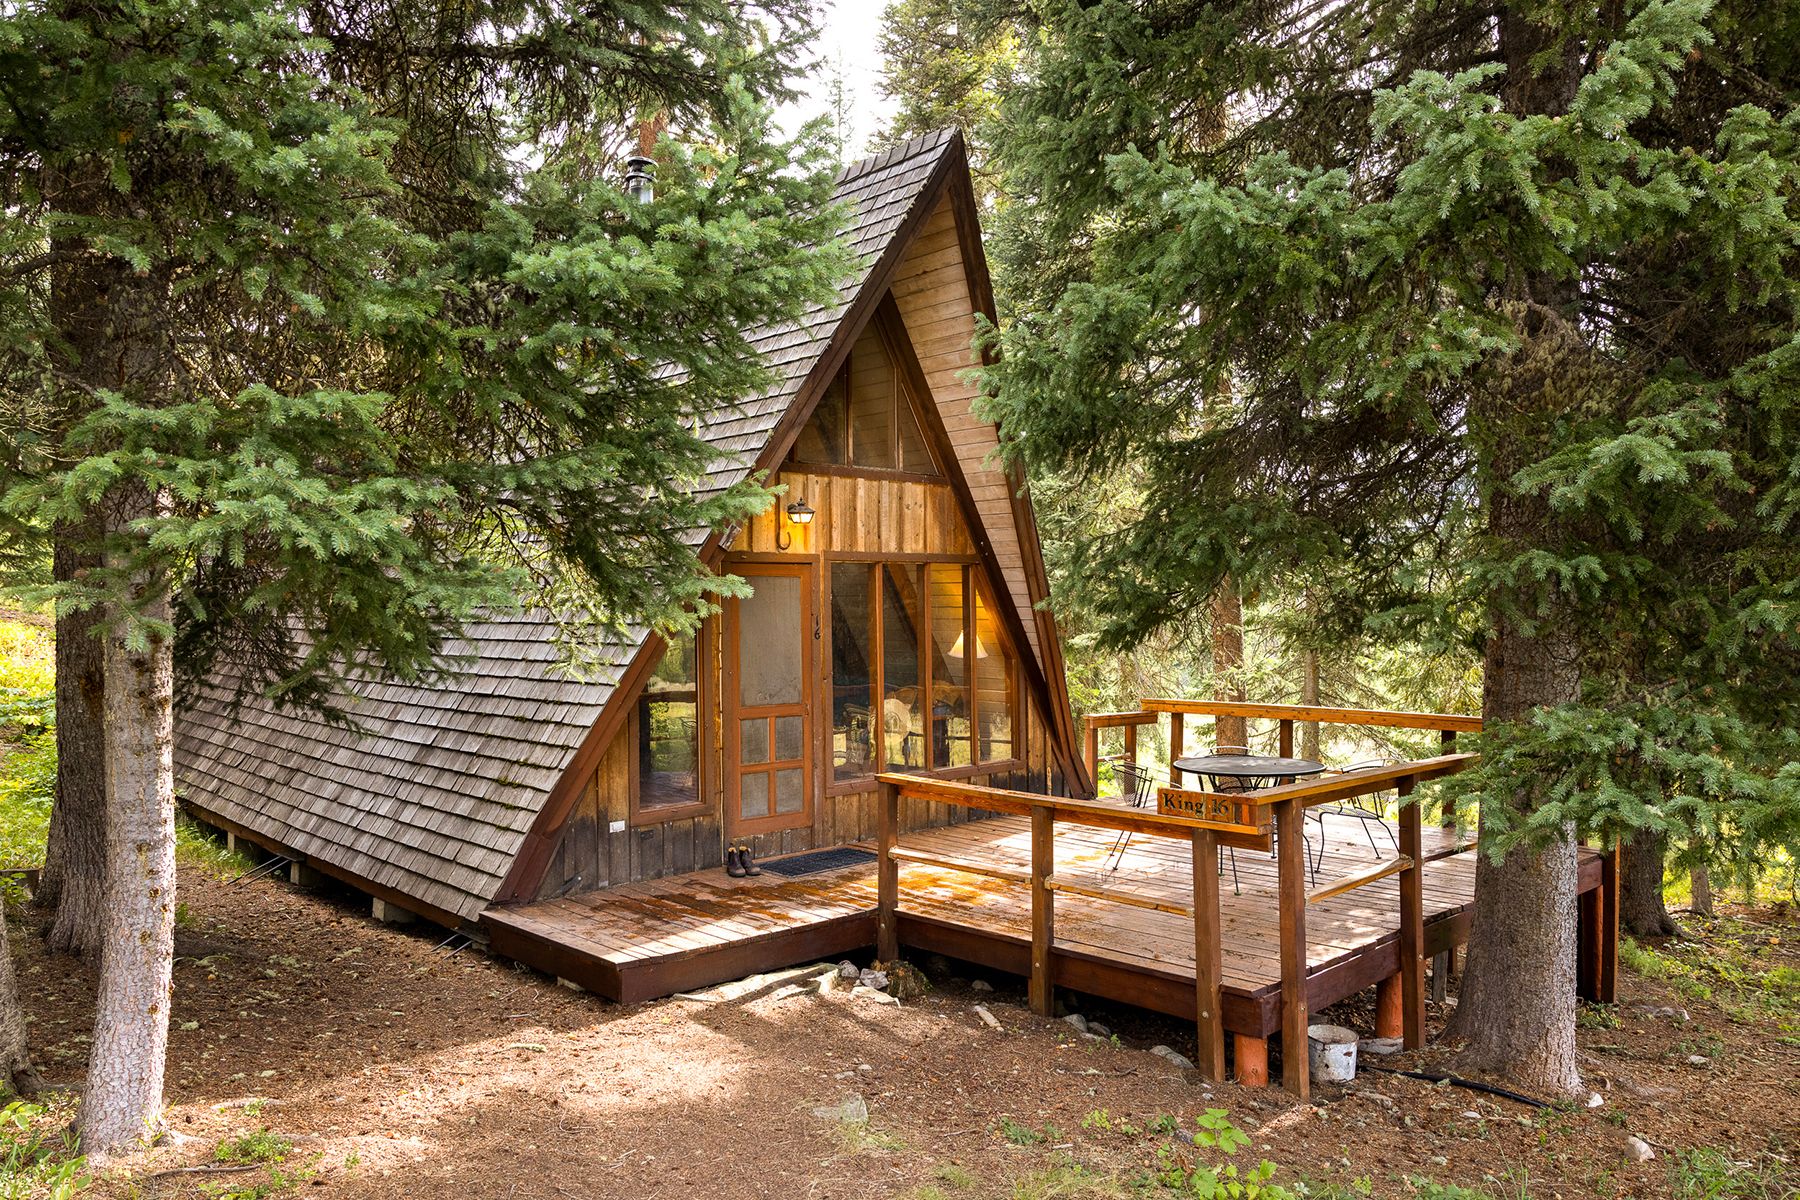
(390, 914)
(570, 984)
(305, 875)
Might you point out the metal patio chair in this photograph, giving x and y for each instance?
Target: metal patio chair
(1365, 809)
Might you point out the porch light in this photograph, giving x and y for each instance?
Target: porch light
(800, 513)
(640, 178)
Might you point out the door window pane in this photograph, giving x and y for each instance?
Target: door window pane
(753, 796)
(790, 790)
(788, 738)
(993, 688)
(769, 670)
(852, 671)
(753, 740)
(668, 730)
(902, 706)
(951, 657)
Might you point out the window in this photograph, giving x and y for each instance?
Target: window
(902, 619)
(866, 419)
(668, 730)
(951, 704)
(993, 688)
(852, 671)
(921, 680)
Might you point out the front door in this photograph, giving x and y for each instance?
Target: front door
(769, 643)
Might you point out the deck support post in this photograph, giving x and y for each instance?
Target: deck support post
(1390, 1007)
(1290, 857)
(887, 873)
(1597, 949)
(1412, 919)
(1209, 969)
(1043, 910)
(1608, 976)
(1251, 1057)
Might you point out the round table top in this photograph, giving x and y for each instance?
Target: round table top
(1250, 766)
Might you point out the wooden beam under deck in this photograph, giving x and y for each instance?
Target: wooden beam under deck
(640, 941)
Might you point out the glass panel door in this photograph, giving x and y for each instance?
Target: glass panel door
(769, 637)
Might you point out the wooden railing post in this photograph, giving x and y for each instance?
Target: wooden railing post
(1174, 747)
(1447, 745)
(1290, 859)
(1131, 744)
(1209, 966)
(1412, 920)
(887, 874)
(1043, 910)
(1093, 755)
(1287, 738)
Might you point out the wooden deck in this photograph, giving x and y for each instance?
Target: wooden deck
(643, 940)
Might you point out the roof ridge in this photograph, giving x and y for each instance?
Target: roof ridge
(911, 148)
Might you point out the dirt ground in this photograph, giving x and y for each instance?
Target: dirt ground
(395, 1069)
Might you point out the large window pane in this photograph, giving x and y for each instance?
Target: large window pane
(952, 652)
(993, 688)
(668, 730)
(822, 439)
(768, 666)
(902, 706)
(913, 454)
(853, 706)
(874, 388)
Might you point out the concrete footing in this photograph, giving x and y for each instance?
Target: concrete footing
(390, 914)
(305, 875)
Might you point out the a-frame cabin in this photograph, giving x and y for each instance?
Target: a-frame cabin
(896, 624)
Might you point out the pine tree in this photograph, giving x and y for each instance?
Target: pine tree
(331, 355)
(1466, 322)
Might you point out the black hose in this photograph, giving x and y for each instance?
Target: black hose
(1474, 1085)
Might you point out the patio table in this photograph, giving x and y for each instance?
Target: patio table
(1248, 770)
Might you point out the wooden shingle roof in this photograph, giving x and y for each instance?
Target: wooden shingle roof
(434, 795)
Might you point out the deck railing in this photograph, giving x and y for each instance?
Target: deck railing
(1249, 819)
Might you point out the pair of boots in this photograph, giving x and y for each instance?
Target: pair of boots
(738, 861)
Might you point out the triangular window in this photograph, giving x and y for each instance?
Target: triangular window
(867, 417)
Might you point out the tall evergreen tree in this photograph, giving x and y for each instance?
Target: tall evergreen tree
(333, 326)
(1461, 317)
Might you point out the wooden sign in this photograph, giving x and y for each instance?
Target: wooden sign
(1240, 824)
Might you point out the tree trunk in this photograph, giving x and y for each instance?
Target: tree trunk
(1516, 1011)
(73, 883)
(1309, 694)
(1228, 662)
(123, 1101)
(1700, 883)
(15, 1064)
(1641, 908)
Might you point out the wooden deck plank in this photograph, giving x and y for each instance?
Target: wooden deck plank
(680, 930)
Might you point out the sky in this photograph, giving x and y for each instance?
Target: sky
(848, 33)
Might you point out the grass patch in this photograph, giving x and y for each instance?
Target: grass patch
(1739, 962)
(258, 1146)
(37, 1152)
(860, 1137)
(1707, 1174)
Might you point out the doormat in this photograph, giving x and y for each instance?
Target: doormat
(814, 861)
